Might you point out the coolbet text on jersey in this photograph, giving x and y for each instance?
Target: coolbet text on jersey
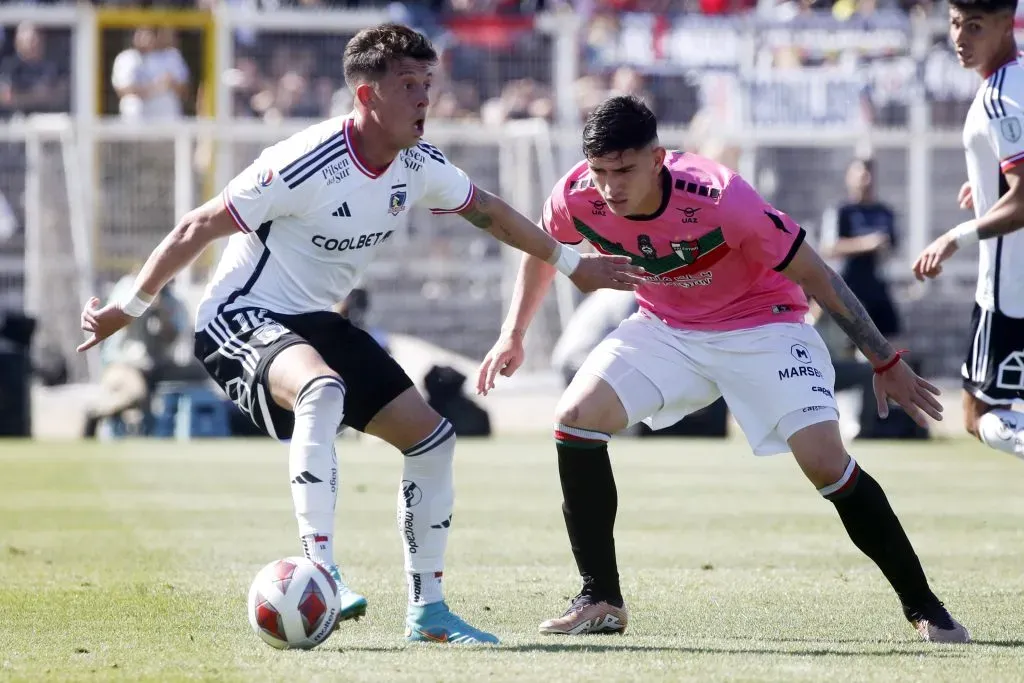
(713, 250)
(312, 215)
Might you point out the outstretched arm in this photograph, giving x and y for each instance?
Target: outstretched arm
(894, 378)
(493, 215)
(590, 272)
(196, 230)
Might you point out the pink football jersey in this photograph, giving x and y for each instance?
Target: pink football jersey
(713, 250)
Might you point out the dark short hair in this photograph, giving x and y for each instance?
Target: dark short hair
(984, 6)
(371, 51)
(618, 124)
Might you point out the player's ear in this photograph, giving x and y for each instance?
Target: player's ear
(659, 156)
(365, 95)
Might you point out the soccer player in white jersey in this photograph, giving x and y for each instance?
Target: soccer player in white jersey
(305, 219)
(993, 372)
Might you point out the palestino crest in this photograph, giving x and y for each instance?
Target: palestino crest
(396, 204)
(1010, 128)
(687, 251)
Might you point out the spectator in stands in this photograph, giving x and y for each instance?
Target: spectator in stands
(151, 76)
(520, 99)
(861, 232)
(29, 82)
(140, 356)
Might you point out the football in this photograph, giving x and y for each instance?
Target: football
(293, 604)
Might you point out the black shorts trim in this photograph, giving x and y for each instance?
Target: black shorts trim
(237, 348)
(993, 370)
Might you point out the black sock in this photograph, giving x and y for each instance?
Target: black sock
(589, 505)
(875, 529)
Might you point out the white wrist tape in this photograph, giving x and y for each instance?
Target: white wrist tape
(965, 234)
(568, 260)
(137, 303)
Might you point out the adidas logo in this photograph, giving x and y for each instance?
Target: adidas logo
(342, 211)
(306, 478)
(443, 525)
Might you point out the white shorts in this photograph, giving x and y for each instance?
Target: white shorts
(776, 378)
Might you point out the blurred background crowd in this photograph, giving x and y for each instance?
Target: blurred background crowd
(756, 84)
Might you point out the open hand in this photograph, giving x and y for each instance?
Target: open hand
(100, 323)
(598, 271)
(902, 385)
(505, 357)
(929, 263)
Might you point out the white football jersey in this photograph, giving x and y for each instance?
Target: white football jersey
(994, 142)
(312, 215)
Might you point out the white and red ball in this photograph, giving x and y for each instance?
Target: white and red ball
(293, 604)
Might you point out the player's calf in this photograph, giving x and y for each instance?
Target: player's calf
(874, 528)
(589, 412)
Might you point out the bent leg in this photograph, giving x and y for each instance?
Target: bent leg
(588, 413)
(872, 525)
(425, 499)
(426, 494)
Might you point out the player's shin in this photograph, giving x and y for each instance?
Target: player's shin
(313, 465)
(589, 504)
(1003, 430)
(425, 501)
(876, 531)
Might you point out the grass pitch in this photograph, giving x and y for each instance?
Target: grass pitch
(132, 561)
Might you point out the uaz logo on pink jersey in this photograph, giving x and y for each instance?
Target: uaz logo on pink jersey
(712, 251)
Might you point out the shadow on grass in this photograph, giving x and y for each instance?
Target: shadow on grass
(715, 650)
(1000, 643)
(594, 646)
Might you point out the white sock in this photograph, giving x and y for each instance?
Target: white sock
(425, 500)
(1003, 430)
(313, 464)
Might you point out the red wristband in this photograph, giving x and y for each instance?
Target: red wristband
(891, 363)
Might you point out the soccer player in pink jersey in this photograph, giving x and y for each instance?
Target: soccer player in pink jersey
(721, 314)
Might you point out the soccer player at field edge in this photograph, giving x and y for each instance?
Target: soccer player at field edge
(305, 220)
(993, 369)
(721, 314)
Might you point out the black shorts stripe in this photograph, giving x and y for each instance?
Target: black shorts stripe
(993, 370)
(292, 184)
(339, 136)
(370, 378)
(792, 251)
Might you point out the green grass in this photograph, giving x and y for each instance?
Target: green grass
(132, 562)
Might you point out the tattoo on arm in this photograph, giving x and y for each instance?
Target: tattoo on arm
(849, 313)
(478, 211)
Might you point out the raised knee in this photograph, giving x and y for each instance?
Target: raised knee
(568, 414)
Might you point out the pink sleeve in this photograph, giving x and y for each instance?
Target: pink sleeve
(764, 234)
(556, 219)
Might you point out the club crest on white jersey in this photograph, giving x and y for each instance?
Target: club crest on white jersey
(312, 214)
